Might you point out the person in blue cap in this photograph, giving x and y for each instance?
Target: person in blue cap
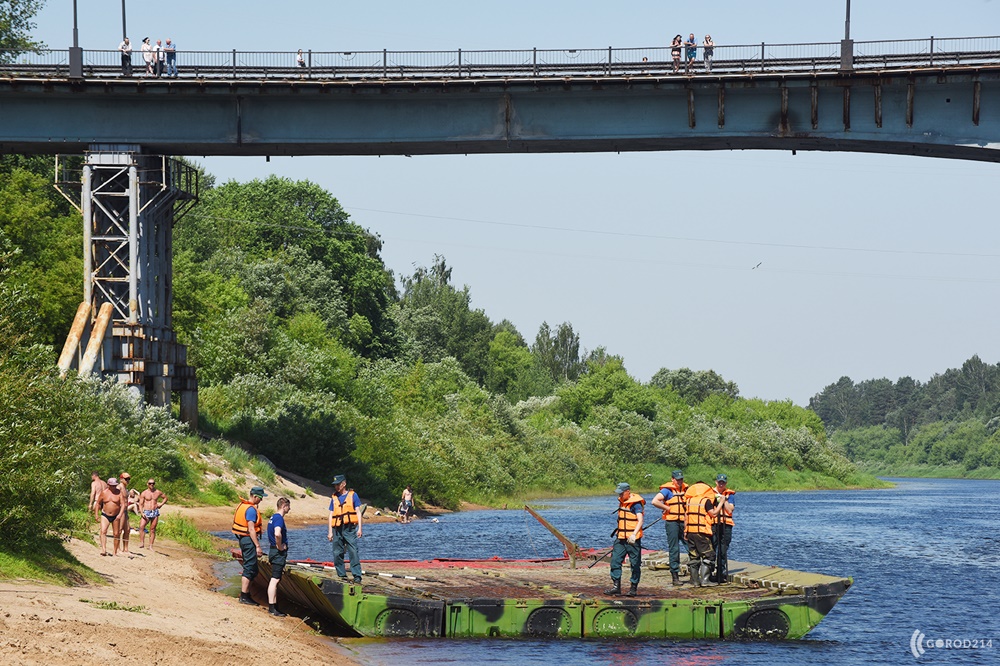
(671, 501)
(345, 528)
(722, 527)
(628, 540)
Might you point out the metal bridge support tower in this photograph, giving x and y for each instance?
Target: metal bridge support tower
(130, 202)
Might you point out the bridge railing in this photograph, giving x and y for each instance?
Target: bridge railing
(728, 59)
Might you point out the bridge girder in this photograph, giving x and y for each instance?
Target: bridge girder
(951, 112)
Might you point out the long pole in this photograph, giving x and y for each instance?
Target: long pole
(76, 33)
(124, 31)
(847, 22)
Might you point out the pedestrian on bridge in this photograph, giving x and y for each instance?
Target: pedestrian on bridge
(692, 52)
(709, 52)
(126, 50)
(147, 55)
(171, 50)
(159, 57)
(675, 52)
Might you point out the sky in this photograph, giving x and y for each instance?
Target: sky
(869, 265)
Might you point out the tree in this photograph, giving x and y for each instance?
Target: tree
(694, 386)
(50, 243)
(835, 404)
(440, 321)
(558, 352)
(16, 25)
(262, 220)
(509, 360)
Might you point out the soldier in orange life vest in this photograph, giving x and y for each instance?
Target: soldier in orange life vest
(345, 528)
(247, 526)
(700, 498)
(722, 527)
(628, 540)
(671, 500)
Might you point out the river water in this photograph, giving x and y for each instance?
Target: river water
(925, 558)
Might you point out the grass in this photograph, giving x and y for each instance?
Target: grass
(263, 471)
(237, 458)
(183, 531)
(46, 561)
(930, 471)
(114, 605)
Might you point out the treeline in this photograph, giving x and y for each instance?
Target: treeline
(950, 422)
(311, 352)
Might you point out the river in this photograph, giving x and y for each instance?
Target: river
(925, 557)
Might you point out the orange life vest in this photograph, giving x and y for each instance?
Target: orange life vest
(725, 516)
(698, 520)
(344, 513)
(627, 520)
(240, 526)
(676, 508)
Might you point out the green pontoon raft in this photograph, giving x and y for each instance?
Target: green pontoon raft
(558, 598)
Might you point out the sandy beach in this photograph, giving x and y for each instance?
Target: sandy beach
(181, 621)
(163, 607)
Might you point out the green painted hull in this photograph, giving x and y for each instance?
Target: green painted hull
(549, 600)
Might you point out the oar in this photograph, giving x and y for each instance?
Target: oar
(615, 533)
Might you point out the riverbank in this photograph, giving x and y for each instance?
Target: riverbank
(157, 607)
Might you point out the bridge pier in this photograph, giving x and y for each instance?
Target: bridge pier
(130, 202)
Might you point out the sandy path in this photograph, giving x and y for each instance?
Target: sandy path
(184, 621)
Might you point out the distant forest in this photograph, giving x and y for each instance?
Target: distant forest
(947, 425)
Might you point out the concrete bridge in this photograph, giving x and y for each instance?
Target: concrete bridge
(938, 98)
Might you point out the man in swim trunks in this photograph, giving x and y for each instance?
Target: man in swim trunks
(123, 480)
(151, 501)
(110, 504)
(406, 504)
(97, 486)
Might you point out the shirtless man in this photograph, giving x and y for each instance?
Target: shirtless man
(150, 502)
(97, 486)
(123, 526)
(110, 504)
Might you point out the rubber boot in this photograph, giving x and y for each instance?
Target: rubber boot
(245, 598)
(675, 578)
(694, 566)
(706, 568)
(615, 589)
(273, 610)
(634, 590)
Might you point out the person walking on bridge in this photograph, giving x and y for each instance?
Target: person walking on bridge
(628, 540)
(671, 500)
(345, 528)
(247, 526)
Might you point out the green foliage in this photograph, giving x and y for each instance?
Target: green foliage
(948, 423)
(299, 252)
(692, 386)
(49, 240)
(47, 561)
(437, 320)
(114, 605)
(183, 531)
(302, 431)
(559, 352)
(16, 25)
